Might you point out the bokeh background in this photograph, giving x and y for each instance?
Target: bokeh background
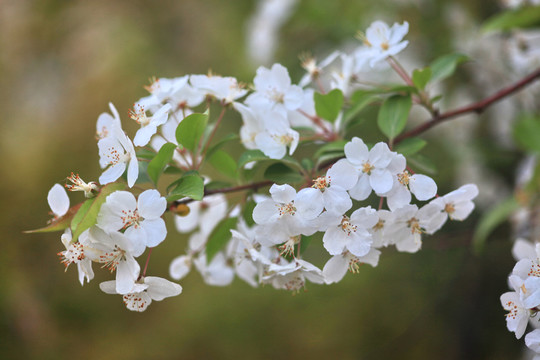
(61, 62)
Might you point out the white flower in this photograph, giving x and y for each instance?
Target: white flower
(148, 124)
(313, 69)
(80, 185)
(273, 90)
(385, 41)
(456, 204)
(217, 273)
(106, 122)
(335, 269)
(204, 214)
(226, 89)
(285, 214)
(117, 252)
(116, 152)
(532, 340)
(351, 233)
(75, 254)
(292, 276)
(58, 201)
(371, 165)
(518, 316)
(141, 218)
(146, 289)
(180, 266)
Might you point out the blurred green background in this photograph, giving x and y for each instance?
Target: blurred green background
(61, 62)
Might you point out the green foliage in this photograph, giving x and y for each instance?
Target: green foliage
(251, 155)
(190, 130)
(224, 163)
(247, 212)
(491, 219)
(281, 173)
(527, 133)
(328, 105)
(410, 146)
(358, 102)
(522, 17)
(218, 145)
(445, 66)
(393, 115)
(190, 185)
(219, 237)
(421, 77)
(60, 223)
(86, 216)
(422, 164)
(158, 163)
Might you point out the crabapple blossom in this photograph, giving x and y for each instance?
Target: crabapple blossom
(106, 122)
(145, 290)
(336, 267)
(117, 153)
(532, 340)
(518, 315)
(384, 41)
(217, 272)
(139, 218)
(150, 124)
(76, 253)
(371, 167)
(273, 90)
(456, 205)
(226, 89)
(204, 215)
(79, 185)
(292, 275)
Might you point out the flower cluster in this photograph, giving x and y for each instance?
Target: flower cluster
(262, 238)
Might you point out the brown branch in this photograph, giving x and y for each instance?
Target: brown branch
(477, 107)
(252, 186)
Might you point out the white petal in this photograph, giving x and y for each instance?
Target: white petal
(156, 231)
(133, 170)
(159, 288)
(381, 180)
(58, 200)
(343, 174)
(112, 173)
(126, 274)
(151, 204)
(309, 203)
(362, 189)
(335, 269)
(422, 186)
(180, 267)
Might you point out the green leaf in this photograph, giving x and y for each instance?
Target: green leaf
(59, 224)
(393, 115)
(328, 106)
(410, 146)
(522, 17)
(281, 173)
(251, 155)
(527, 133)
(190, 130)
(445, 66)
(491, 219)
(422, 164)
(359, 101)
(227, 138)
(86, 216)
(224, 163)
(190, 185)
(329, 157)
(421, 77)
(219, 237)
(247, 212)
(157, 164)
(307, 164)
(335, 146)
(143, 153)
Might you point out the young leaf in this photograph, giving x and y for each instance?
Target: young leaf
(522, 17)
(247, 212)
(251, 155)
(328, 106)
(86, 217)
(410, 146)
(190, 185)
(60, 223)
(281, 173)
(527, 133)
(221, 142)
(421, 77)
(393, 115)
(445, 66)
(359, 101)
(219, 237)
(490, 220)
(158, 163)
(190, 130)
(224, 163)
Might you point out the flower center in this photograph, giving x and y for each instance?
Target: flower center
(139, 115)
(534, 270)
(288, 247)
(404, 178)
(512, 310)
(287, 209)
(111, 259)
(131, 218)
(414, 225)
(367, 168)
(73, 254)
(276, 96)
(449, 208)
(321, 183)
(136, 301)
(346, 226)
(154, 85)
(80, 185)
(379, 226)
